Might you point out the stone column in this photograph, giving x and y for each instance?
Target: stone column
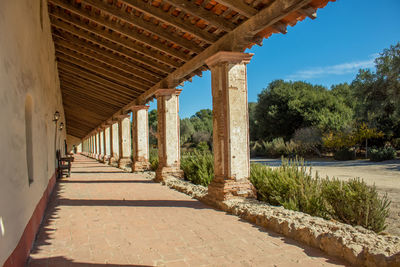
(101, 136)
(107, 144)
(168, 134)
(140, 132)
(92, 146)
(124, 140)
(96, 146)
(230, 126)
(114, 144)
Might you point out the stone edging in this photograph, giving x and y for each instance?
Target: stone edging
(356, 245)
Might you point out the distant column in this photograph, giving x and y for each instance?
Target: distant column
(96, 146)
(140, 138)
(168, 134)
(101, 136)
(230, 126)
(114, 144)
(124, 139)
(107, 154)
(92, 146)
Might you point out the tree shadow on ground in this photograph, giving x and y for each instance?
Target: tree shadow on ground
(63, 261)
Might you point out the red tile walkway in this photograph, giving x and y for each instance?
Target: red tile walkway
(102, 216)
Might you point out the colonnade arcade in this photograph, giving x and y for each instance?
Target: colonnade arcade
(128, 134)
(113, 57)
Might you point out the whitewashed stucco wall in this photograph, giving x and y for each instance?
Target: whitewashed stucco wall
(27, 66)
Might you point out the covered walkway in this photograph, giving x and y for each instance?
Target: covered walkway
(102, 216)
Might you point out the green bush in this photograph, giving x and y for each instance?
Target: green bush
(198, 167)
(293, 187)
(354, 202)
(381, 154)
(153, 159)
(344, 154)
(276, 148)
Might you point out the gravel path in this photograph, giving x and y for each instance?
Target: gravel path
(385, 175)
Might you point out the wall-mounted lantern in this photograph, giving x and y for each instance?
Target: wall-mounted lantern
(56, 116)
(61, 126)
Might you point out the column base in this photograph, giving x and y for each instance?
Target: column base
(101, 158)
(221, 189)
(124, 163)
(163, 172)
(112, 161)
(140, 166)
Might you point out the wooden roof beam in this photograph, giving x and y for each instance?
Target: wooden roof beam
(309, 12)
(239, 6)
(119, 45)
(82, 81)
(72, 57)
(121, 29)
(90, 76)
(79, 91)
(89, 100)
(200, 12)
(91, 89)
(101, 56)
(167, 18)
(147, 26)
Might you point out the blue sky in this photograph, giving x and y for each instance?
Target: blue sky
(346, 36)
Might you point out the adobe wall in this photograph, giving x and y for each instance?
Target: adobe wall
(27, 68)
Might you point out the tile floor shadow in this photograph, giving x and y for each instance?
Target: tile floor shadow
(66, 181)
(193, 204)
(64, 262)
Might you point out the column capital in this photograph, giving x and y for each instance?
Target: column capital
(122, 116)
(167, 92)
(228, 57)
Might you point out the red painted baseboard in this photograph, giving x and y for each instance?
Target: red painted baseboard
(21, 253)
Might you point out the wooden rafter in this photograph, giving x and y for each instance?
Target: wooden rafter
(112, 42)
(200, 12)
(172, 20)
(108, 59)
(147, 40)
(240, 7)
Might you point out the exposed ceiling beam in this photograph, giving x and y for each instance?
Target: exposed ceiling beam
(147, 26)
(72, 57)
(147, 40)
(125, 47)
(101, 56)
(82, 81)
(200, 12)
(91, 89)
(176, 22)
(239, 6)
(90, 76)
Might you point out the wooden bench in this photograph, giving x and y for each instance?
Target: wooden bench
(64, 165)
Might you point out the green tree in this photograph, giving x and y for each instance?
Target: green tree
(284, 107)
(378, 93)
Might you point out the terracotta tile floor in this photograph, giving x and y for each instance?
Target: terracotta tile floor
(102, 216)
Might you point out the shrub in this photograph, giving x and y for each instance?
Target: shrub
(293, 187)
(309, 138)
(381, 154)
(290, 186)
(153, 159)
(198, 167)
(203, 146)
(344, 154)
(354, 202)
